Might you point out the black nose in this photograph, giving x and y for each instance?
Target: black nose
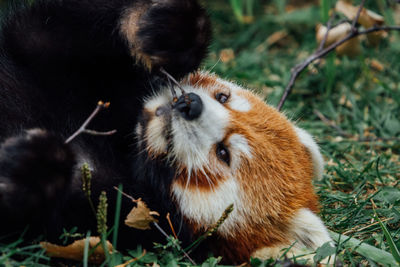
(189, 106)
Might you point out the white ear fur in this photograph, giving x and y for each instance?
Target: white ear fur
(308, 229)
(306, 234)
(308, 141)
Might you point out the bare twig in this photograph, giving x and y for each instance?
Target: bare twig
(171, 226)
(100, 106)
(331, 123)
(171, 78)
(298, 69)
(354, 229)
(328, 28)
(126, 195)
(355, 20)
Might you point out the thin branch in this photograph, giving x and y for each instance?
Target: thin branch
(354, 229)
(171, 78)
(331, 123)
(298, 69)
(126, 195)
(328, 28)
(100, 106)
(355, 20)
(171, 226)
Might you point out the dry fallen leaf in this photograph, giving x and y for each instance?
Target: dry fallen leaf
(367, 19)
(141, 216)
(75, 250)
(376, 65)
(276, 37)
(349, 48)
(227, 55)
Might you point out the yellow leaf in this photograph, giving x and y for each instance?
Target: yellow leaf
(141, 216)
(75, 250)
(227, 55)
(367, 19)
(349, 48)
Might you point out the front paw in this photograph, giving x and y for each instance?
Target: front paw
(35, 168)
(173, 34)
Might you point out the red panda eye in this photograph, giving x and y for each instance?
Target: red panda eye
(223, 153)
(221, 97)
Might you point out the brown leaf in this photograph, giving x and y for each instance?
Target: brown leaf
(276, 37)
(349, 48)
(227, 55)
(141, 216)
(75, 250)
(367, 19)
(377, 65)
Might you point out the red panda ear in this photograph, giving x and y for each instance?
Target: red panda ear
(308, 141)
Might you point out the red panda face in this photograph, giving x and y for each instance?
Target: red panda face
(238, 151)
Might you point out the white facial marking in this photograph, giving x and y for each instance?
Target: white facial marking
(239, 103)
(318, 162)
(206, 207)
(238, 147)
(193, 140)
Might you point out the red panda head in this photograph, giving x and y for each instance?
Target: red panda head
(240, 151)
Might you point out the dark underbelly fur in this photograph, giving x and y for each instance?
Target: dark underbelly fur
(57, 59)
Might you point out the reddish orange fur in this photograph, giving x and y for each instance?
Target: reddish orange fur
(198, 179)
(276, 181)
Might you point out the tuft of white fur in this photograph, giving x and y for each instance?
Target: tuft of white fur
(239, 147)
(239, 103)
(206, 207)
(306, 234)
(308, 141)
(308, 228)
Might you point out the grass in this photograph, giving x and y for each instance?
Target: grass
(360, 191)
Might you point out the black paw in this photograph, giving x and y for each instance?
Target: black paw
(173, 34)
(35, 169)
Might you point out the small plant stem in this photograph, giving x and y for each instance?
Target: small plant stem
(133, 260)
(171, 226)
(126, 195)
(212, 229)
(365, 227)
(100, 106)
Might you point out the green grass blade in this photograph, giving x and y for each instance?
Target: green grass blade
(237, 7)
(116, 217)
(389, 239)
(371, 252)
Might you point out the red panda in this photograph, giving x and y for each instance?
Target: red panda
(237, 150)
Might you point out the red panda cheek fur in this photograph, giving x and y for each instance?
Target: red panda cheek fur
(274, 183)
